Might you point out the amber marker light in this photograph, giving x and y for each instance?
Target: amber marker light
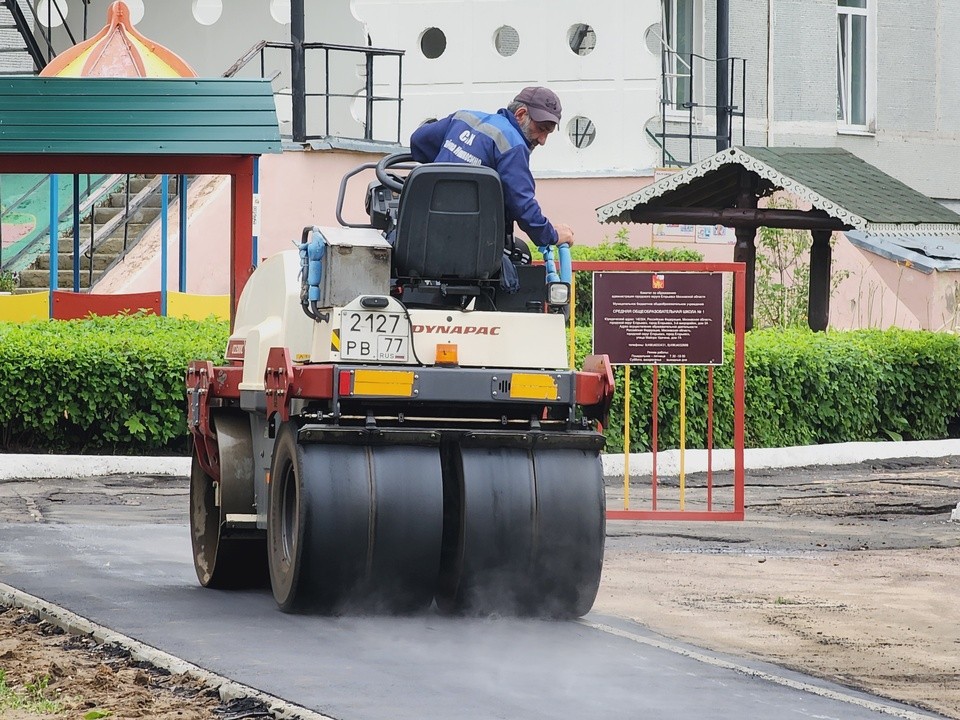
(446, 354)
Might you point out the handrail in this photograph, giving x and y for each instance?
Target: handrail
(244, 59)
(47, 35)
(13, 206)
(370, 98)
(668, 98)
(23, 27)
(92, 195)
(136, 202)
(27, 33)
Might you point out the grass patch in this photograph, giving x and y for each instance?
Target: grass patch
(31, 698)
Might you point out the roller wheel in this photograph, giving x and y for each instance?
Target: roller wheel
(571, 531)
(353, 528)
(220, 561)
(524, 532)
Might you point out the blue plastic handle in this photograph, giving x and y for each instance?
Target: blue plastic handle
(312, 250)
(566, 267)
(549, 263)
(565, 273)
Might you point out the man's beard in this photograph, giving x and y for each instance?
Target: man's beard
(526, 126)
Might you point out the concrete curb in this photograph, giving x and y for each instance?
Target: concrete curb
(79, 466)
(668, 462)
(77, 625)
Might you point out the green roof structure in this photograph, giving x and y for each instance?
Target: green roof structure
(137, 116)
(831, 180)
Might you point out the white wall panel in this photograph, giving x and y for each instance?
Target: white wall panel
(615, 85)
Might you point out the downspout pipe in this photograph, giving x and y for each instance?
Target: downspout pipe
(298, 71)
(723, 75)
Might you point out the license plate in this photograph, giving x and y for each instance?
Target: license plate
(374, 336)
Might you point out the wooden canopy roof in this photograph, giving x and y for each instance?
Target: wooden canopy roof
(137, 116)
(836, 183)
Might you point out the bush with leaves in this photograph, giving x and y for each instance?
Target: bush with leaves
(111, 384)
(802, 388)
(117, 385)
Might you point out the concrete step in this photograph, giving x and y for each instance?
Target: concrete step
(100, 261)
(139, 182)
(119, 199)
(142, 215)
(134, 230)
(38, 279)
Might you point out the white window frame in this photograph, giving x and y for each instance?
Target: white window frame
(845, 17)
(675, 66)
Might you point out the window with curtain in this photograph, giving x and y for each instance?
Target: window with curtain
(854, 64)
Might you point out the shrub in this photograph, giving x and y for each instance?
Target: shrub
(802, 388)
(103, 384)
(117, 385)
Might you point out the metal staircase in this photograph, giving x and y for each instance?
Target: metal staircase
(15, 57)
(111, 225)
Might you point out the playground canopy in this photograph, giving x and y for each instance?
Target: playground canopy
(183, 126)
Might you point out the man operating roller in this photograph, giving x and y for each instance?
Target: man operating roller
(503, 141)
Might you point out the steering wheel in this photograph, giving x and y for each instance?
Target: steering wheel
(387, 179)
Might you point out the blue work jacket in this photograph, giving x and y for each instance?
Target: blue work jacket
(495, 141)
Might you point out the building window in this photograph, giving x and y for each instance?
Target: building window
(433, 42)
(682, 30)
(506, 40)
(581, 131)
(855, 63)
(581, 38)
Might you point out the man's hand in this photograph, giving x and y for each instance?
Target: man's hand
(564, 234)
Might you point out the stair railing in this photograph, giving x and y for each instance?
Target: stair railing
(370, 97)
(43, 54)
(131, 205)
(95, 190)
(23, 27)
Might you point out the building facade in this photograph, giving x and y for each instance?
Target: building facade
(878, 78)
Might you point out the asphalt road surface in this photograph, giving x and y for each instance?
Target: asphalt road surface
(116, 550)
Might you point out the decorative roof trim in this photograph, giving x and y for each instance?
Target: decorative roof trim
(913, 230)
(619, 210)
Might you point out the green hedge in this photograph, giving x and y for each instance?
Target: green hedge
(100, 385)
(117, 385)
(803, 388)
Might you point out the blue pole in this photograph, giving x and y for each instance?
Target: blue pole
(54, 214)
(164, 203)
(76, 235)
(182, 185)
(256, 211)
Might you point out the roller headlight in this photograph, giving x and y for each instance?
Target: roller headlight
(558, 293)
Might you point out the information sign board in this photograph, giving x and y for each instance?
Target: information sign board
(645, 318)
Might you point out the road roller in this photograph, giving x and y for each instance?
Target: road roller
(396, 427)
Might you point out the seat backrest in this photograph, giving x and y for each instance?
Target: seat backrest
(450, 223)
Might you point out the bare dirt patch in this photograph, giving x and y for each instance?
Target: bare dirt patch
(51, 674)
(848, 574)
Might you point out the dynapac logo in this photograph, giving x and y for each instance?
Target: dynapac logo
(458, 329)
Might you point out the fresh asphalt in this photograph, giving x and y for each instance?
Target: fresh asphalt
(137, 578)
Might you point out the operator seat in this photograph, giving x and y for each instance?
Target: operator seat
(450, 225)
